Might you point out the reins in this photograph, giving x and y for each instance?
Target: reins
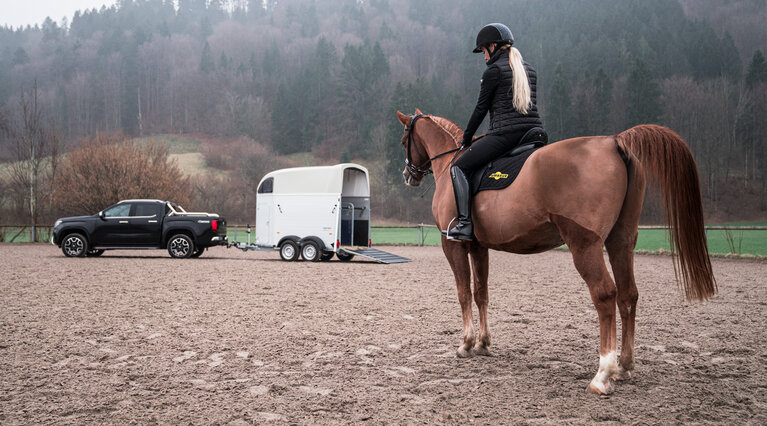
(413, 169)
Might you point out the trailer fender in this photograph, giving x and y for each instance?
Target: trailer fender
(293, 238)
(317, 240)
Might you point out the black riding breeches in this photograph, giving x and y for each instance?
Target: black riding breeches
(487, 149)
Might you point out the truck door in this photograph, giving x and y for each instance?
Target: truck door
(114, 227)
(146, 224)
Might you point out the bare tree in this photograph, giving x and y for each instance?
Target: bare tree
(105, 170)
(36, 147)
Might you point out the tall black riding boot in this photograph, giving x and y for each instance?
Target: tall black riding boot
(464, 230)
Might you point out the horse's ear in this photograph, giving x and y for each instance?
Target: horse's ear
(418, 111)
(404, 119)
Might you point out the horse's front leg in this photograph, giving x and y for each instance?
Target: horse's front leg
(480, 267)
(458, 257)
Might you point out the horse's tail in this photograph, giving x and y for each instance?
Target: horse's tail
(669, 164)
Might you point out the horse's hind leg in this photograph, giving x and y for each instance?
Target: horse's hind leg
(457, 255)
(586, 249)
(620, 246)
(621, 251)
(480, 267)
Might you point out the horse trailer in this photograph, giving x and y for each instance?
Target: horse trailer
(315, 213)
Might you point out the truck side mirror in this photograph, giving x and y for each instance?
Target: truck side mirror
(101, 214)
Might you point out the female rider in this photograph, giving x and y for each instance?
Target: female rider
(508, 92)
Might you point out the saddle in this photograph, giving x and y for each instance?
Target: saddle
(502, 171)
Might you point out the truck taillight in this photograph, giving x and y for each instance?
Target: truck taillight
(214, 225)
(370, 243)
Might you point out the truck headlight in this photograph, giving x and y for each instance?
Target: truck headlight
(56, 225)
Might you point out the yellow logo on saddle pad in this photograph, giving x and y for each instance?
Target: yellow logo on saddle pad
(498, 175)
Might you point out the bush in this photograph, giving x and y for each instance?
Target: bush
(105, 170)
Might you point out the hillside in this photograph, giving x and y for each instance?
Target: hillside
(262, 84)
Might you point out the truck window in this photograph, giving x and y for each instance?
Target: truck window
(146, 209)
(120, 210)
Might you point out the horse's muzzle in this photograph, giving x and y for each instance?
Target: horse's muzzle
(410, 179)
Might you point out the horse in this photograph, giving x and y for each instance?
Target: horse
(586, 192)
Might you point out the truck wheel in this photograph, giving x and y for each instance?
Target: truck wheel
(180, 246)
(326, 256)
(289, 251)
(344, 257)
(198, 252)
(94, 253)
(310, 251)
(74, 245)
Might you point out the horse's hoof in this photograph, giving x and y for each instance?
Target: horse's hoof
(622, 374)
(464, 353)
(601, 388)
(482, 351)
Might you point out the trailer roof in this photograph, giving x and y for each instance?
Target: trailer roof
(347, 179)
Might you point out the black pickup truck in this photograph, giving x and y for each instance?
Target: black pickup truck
(140, 224)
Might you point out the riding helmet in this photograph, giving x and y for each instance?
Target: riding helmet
(493, 33)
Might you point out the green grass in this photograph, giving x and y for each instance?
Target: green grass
(743, 242)
(431, 236)
(8, 232)
(740, 241)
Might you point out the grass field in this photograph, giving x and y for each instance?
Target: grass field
(719, 241)
(752, 242)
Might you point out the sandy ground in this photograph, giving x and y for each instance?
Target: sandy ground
(243, 338)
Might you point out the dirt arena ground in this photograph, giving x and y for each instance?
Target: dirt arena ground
(244, 338)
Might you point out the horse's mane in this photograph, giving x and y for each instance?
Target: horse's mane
(449, 127)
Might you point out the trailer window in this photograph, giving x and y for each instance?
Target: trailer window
(266, 186)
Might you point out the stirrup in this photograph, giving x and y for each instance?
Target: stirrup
(461, 237)
(446, 232)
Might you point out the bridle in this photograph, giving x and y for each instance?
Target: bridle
(425, 168)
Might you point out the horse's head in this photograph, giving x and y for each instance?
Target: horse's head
(417, 162)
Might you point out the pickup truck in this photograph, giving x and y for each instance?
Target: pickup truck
(140, 224)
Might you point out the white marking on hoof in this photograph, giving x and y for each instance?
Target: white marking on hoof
(608, 366)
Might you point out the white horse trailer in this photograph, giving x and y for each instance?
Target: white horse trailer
(316, 212)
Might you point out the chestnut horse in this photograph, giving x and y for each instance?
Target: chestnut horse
(585, 192)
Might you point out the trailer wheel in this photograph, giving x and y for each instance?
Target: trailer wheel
(326, 256)
(289, 251)
(310, 251)
(344, 257)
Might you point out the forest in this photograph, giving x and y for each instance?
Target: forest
(272, 83)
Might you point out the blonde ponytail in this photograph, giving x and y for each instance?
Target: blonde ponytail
(522, 101)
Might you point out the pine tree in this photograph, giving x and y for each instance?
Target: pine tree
(757, 70)
(644, 95)
(603, 86)
(207, 63)
(559, 108)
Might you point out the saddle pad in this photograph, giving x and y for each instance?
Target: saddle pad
(500, 173)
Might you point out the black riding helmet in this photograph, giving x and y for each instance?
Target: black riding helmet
(493, 33)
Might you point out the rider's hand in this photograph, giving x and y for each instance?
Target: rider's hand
(466, 142)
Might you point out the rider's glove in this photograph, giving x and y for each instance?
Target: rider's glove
(466, 141)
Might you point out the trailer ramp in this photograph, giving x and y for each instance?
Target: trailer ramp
(374, 254)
